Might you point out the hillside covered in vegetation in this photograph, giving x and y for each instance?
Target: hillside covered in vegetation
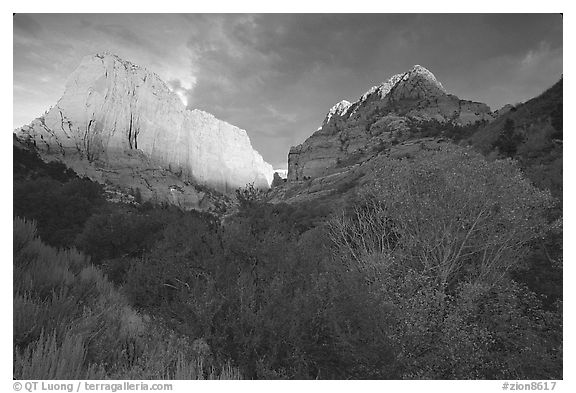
(438, 266)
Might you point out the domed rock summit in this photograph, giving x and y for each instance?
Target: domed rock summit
(351, 130)
(117, 122)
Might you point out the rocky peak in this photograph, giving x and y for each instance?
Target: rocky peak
(417, 83)
(417, 71)
(111, 106)
(337, 110)
(351, 130)
(418, 79)
(382, 89)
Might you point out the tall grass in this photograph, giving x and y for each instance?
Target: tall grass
(49, 359)
(70, 322)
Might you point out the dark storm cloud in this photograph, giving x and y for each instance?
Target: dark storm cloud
(277, 75)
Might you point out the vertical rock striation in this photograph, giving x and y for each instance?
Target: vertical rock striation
(111, 107)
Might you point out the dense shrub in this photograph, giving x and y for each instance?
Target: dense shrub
(434, 128)
(28, 166)
(262, 291)
(71, 323)
(531, 133)
(412, 281)
(435, 239)
(556, 120)
(508, 140)
(442, 265)
(61, 209)
(119, 233)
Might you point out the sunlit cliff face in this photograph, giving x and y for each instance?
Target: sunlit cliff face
(111, 106)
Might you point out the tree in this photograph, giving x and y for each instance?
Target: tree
(59, 209)
(117, 234)
(450, 214)
(508, 140)
(248, 196)
(433, 238)
(556, 120)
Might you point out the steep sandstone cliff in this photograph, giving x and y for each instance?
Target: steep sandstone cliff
(112, 108)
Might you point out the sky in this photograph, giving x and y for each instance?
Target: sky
(277, 75)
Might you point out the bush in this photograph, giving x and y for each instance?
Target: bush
(71, 323)
(60, 210)
(261, 293)
(249, 195)
(116, 234)
(433, 239)
(28, 166)
(508, 140)
(452, 214)
(50, 359)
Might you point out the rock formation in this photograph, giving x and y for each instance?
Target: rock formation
(352, 129)
(502, 111)
(114, 112)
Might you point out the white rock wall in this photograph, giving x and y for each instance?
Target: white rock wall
(111, 105)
